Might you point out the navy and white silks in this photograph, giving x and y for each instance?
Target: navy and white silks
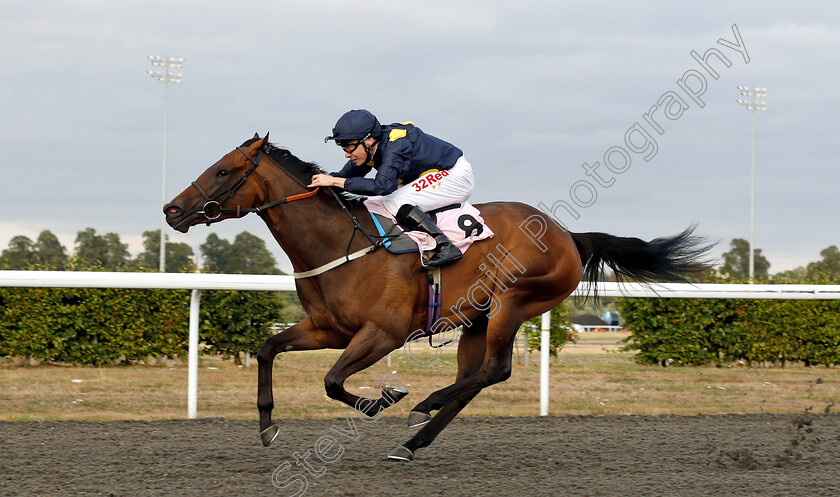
(412, 167)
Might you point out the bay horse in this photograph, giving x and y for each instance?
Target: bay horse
(371, 305)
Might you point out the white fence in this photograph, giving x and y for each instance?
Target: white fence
(197, 282)
(160, 281)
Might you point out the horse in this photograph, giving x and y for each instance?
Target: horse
(371, 305)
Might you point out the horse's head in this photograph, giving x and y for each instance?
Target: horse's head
(224, 190)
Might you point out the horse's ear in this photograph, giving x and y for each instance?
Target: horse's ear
(256, 136)
(264, 141)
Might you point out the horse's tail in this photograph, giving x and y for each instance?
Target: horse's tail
(671, 258)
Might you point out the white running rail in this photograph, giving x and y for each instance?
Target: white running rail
(198, 281)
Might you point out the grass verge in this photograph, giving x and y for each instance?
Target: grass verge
(589, 378)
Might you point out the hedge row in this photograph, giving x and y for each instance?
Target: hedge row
(561, 330)
(109, 326)
(720, 331)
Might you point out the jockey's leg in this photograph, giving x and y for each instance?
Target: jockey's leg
(413, 219)
(409, 204)
(453, 186)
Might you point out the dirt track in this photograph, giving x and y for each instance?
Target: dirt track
(758, 454)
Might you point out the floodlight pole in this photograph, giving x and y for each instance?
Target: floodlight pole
(165, 77)
(753, 105)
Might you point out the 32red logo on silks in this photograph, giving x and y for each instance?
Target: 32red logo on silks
(429, 180)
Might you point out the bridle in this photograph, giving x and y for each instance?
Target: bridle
(213, 209)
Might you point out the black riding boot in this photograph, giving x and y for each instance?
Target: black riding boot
(413, 219)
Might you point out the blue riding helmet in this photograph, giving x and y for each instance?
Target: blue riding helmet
(355, 125)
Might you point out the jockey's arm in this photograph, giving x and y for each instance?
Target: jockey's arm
(384, 183)
(326, 180)
(337, 178)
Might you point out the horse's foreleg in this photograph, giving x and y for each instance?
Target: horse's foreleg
(368, 346)
(301, 336)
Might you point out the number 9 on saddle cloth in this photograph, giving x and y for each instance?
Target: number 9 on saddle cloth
(461, 223)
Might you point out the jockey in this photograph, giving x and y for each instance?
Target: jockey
(415, 173)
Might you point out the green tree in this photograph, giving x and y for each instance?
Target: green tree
(23, 253)
(51, 253)
(246, 255)
(178, 255)
(101, 250)
(214, 253)
(736, 262)
(683, 332)
(797, 275)
(826, 269)
(93, 325)
(721, 331)
(561, 330)
(235, 322)
(20, 254)
(252, 256)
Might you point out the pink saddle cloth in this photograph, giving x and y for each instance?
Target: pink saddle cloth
(463, 226)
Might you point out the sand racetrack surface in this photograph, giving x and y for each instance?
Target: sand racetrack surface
(754, 454)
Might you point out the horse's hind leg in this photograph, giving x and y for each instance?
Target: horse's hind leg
(495, 367)
(301, 336)
(471, 351)
(428, 433)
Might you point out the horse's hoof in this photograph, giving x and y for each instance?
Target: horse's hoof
(416, 418)
(401, 454)
(393, 394)
(269, 435)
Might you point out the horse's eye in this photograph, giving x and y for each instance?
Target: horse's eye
(222, 173)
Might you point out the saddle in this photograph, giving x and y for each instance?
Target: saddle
(461, 223)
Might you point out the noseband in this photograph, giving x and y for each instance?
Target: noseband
(213, 209)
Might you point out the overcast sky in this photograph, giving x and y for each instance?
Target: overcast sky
(530, 90)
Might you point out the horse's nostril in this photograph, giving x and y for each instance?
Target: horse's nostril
(172, 209)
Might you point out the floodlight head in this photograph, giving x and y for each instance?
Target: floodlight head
(168, 63)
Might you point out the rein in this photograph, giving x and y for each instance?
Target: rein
(213, 209)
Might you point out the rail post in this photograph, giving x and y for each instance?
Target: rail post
(545, 348)
(192, 361)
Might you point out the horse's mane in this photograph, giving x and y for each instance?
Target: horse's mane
(301, 170)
